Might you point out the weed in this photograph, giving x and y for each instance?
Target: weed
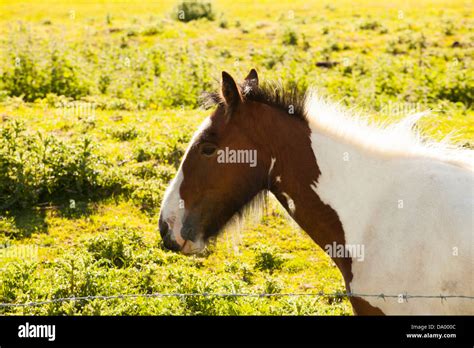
(191, 10)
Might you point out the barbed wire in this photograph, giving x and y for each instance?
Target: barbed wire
(405, 297)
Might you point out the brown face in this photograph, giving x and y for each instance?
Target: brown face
(221, 172)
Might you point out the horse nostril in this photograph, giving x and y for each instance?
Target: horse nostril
(168, 241)
(163, 225)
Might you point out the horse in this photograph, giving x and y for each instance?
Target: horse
(407, 204)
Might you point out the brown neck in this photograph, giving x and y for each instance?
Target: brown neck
(295, 170)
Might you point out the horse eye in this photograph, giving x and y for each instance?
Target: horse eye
(208, 149)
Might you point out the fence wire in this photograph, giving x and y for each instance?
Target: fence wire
(404, 297)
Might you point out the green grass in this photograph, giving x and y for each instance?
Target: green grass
(80, 187)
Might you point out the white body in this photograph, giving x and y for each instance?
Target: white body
(411, 209)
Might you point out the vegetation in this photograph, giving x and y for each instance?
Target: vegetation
(98, 103)
(191, 10)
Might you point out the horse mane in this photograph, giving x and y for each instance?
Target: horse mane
(289, 100)
(402, 138)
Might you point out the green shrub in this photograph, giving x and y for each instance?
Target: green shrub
(459, 88)
(32, 78)
(147, 194)
(449, 29)
(103, 84)
(35, 167)
(169, 153)
(223, 23)
(64, 79)
(8, 228)
(18, 281)
(115, 247)
(267, 259)
(152, 30)
(26, 79)
(125, 133)
(272, 286)
(296, 265)
(290, 38)
(370, 25)
(191, 10)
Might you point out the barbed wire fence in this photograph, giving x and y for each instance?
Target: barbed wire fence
(400, 297)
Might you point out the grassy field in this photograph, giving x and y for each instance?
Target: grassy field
(99, 99)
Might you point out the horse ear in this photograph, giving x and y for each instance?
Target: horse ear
(252, 79)
(230, 91)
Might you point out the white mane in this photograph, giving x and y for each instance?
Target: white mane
(399, 139)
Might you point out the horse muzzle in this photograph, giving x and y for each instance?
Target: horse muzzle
(167, 236)
(188, 242)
